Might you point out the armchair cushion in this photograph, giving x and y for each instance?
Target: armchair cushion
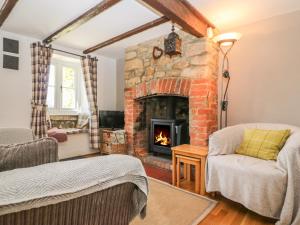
(28, 154)
(263, 144)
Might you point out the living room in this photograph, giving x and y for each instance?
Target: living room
(187, 107)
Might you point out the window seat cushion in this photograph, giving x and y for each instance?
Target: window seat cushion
(59, 134)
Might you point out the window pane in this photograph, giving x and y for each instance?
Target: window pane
(50, 97)
(68, 98)
(52, 75)
(68, 79)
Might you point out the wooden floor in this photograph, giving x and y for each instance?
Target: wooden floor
(225, 213)
(231, 213)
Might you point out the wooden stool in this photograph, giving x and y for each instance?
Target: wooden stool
(187, 161)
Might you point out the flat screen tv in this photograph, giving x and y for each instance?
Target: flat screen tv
(111, 119)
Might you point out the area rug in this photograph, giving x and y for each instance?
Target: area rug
(168, 205)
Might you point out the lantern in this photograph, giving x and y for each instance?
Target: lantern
(173, 44)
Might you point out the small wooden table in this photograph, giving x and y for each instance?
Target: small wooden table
(189, 155)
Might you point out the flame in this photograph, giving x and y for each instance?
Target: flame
(162, 139)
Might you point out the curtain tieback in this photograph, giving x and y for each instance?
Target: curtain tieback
(39, 107)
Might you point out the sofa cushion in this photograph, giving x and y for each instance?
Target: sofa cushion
(263, 144)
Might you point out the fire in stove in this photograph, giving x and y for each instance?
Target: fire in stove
(162, 139)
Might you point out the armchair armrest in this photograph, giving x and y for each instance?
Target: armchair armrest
(28, 154)
(290, 152)
(225, 141)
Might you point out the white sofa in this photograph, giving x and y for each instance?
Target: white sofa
(260, 185)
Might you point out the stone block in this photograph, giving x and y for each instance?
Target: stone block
(200, 60)
(194, 72)
(130, 55)
(134, 64)
(181, 64)
(196, 48)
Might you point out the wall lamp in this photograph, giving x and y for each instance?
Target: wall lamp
(225, 42)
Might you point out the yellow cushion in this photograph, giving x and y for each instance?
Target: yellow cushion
(263, 144)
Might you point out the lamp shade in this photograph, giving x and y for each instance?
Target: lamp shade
(227, 39)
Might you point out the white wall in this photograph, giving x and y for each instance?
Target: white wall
(106, 83)
(265, 71)
(15, 85)
(120, 84)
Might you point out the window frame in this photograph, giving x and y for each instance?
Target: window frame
(58, 109)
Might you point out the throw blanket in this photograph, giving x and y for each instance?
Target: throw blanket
(289, 161)
(38, 186)
(223, 144)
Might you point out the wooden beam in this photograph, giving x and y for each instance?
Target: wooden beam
(128, 34)
(5, 10)
(182, 13)
(91, 13)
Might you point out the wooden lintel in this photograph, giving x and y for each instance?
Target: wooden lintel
(5, 10)
(182, 13)
(91, 13)
(127, 34)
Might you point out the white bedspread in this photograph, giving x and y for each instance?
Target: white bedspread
(33, 187)
(270, 188)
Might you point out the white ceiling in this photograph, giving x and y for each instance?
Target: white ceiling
(39, 19)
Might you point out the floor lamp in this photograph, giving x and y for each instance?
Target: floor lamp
(225, 43)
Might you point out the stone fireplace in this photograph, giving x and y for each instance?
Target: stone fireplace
(189, 81)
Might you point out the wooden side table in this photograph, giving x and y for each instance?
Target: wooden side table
(189, 155)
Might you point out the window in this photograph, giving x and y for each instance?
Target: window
(66, 86)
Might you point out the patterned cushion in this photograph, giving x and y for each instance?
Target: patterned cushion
(263, 144)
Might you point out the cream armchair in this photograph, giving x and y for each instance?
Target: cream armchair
(260, 185)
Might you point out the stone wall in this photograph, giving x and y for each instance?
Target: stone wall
(192, 75)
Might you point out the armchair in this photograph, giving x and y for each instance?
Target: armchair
(264, 186)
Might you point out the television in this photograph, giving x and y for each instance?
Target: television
(111, 119)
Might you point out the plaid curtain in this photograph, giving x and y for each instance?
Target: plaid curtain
(89, 67)
(41, 57)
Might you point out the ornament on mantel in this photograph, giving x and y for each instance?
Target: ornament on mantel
(173, 43)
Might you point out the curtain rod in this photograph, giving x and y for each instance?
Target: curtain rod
(70, 53)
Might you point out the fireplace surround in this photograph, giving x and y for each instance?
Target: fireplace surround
(192, 76)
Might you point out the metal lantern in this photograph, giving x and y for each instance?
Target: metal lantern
(173, 44)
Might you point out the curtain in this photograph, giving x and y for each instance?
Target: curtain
(89, 68)
(41, 58)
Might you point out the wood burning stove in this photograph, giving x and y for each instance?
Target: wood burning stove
(166, 133)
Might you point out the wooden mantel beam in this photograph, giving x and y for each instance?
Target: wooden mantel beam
(127, 34)
(182, 13)
(91, 13)
(5, 10)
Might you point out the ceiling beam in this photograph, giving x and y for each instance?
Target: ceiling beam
(127, 34)
(5, 10)
(91, 13)
(182, 13)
